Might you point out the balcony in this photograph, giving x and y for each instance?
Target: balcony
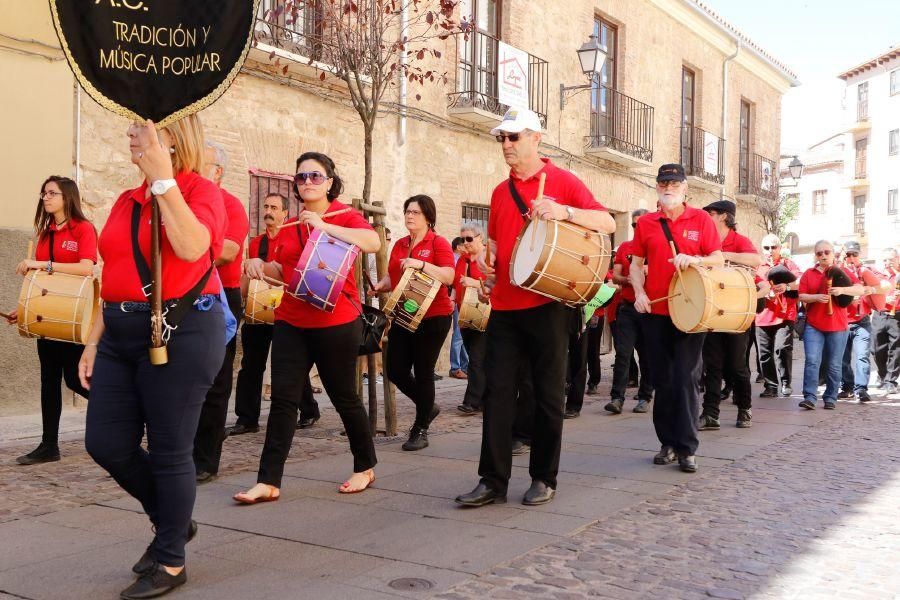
(756, 177)
(476, 99)
(292, 31)
(862, 122)
(860, 173)
(703, 157)
(622, 131)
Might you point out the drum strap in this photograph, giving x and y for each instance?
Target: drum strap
(178, 311)
(264, 247)
(517, 197)
(50, 235)
(668, 233)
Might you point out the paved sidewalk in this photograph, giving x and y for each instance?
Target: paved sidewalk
(803, 505)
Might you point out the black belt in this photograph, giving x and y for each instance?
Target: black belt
(203, 303)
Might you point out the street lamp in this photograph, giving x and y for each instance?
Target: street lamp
(591, 55)
(795, 168)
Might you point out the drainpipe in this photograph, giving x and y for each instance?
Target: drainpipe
(725, 163)
(404, 25)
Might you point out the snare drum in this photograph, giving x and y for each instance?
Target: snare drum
(567, 262)
(473, 313)
(262, 300)
(408, 303)
(57, 306)
(721, 299)
(322, 270)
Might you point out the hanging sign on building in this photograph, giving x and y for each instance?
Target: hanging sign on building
(512, 76)
(154, 59)
(710, 153)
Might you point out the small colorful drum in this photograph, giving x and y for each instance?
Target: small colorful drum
(322, 270)
(560, 260)
(57, 306)
(473, 313)
(715, 299)
(408, 303)
(262, 300)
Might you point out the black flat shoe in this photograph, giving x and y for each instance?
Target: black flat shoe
(241, 429)
(571, 413)
(154, 583)
(146, 563)
(41, 454)
(468, 410)
(665, 456)
(539, 493)
(418, 439)
(481, 496)
(306, 422)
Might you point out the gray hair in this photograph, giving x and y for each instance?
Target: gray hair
(473, 227)
(221, 155)
(639, 213)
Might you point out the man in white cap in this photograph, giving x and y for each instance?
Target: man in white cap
(525, 326)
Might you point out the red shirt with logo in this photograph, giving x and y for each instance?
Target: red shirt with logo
(623, 259)
(858, 309)
(779, 308)
(466, 266)
(506, 222)
(695, 234)
(738, 244)
(814, 281)
(121, 281)
(72, 243)
(254, 249)
(291, 242)
(432, 249)
(236, 231)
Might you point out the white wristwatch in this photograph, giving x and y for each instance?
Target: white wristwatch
(161, 186)
(570, 213)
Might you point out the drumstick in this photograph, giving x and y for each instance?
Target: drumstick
(6, 316)
(540, 196)
(325, 216)
(665, 298)
(272, 280)
(677, 270)
(487, 254)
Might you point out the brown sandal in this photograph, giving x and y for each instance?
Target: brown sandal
(273, 495)
(344, 489)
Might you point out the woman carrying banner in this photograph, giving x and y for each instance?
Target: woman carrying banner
(67, 243)
(130, 394)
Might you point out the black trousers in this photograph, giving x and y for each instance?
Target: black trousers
(576, 370)
(628, 337)
(593, 353)
(538, 337)
(675, 362)
(255, 343)
(211, 428)
(411, 357)
(294, 351)
(775, 348)
(59, 361)
(886, 345)
(128, 394)
(475, 343)
(725, 357)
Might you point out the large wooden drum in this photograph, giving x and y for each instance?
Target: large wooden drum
(411, 298)
(719, 299)
(57, 306)
(565, 262)
(262, 300)
(473, 313)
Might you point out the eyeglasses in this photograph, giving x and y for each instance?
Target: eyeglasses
(469, 239)
(664, 184)
(852, 253)
(823, 252)
(412, 212)
(314, 177)
(769, 247)
(50, 194)
(513, 137)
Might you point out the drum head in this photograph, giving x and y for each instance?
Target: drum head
(526, 257)
(687, 309)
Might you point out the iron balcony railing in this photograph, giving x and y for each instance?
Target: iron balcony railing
(703, 154)
(861, 169)
(622, 123)
(477, 74)
(758, 176)
(294, 29)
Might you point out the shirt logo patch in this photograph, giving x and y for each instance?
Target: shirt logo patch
(70, 245)
(693, 236)
(424, 253)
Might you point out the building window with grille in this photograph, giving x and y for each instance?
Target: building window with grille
(603, 115)
(895, 82)
(477, 69)
(894, 142)
(859, 215)
(892, 202)
(744, 149)
(862, 101)
(263, 183)
(475, 214)
(861, 158)
(818, 207)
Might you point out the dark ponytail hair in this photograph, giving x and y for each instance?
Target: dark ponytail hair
(337, 186)
(71, 204)
(428, 208)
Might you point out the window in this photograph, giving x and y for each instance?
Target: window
(297, 30)
(602, 113)
(477, 214)
(895, 82)
(894, 142)
(859, 215)
(862, 101)
(687, 117)
(892, 202)
(818, 206)
(478, 54)
(861, 158)
(263, 183)
(744, 156)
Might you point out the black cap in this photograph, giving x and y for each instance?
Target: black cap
(852, 246)
(671, 172)
(722, 206)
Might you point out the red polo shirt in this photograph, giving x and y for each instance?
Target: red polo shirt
(466, 266)
(506, 222)
(858, 310)
(287, 253)
(814, 281)
(253, 250)
(432, 249)
(695, 234)
(121, 281)
(893, 296)
(623, 259)
(236, 231)
(778, 308)
(738, 244)
(72, 243)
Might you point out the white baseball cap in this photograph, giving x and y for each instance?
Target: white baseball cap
(517, 120)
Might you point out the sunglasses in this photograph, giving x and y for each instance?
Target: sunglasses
(513, 137)
(469, 239)
(852, 253)
(769, 247)
(314, 176)
(823, 252)
(665, 184)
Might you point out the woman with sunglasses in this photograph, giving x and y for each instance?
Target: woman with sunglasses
(827, 328)
(304, 335)
(67, 243)
(430, 253)
(469, 275)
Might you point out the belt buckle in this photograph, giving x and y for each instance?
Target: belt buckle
(123, 308)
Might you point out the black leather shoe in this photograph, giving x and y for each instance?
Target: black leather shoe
(154, 583)
(205, 477)
(418, 439)
(519, 448)
(863, 396)
(241, 429)
(306, 422)
(539, 493)
(665, 456)
(41, 454)
(146, 563)
(688, 464)
(571, 413)
(769, 393)
(468, 410)
(845, 394)
(481, 496)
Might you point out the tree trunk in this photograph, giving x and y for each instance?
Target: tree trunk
(368, 126)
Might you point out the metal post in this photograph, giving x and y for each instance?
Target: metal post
(381, 267)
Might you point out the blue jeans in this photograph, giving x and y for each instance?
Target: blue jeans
(856, 371)
(459, 358)
(822, 347)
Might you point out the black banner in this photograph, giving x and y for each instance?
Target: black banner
(155, 59)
